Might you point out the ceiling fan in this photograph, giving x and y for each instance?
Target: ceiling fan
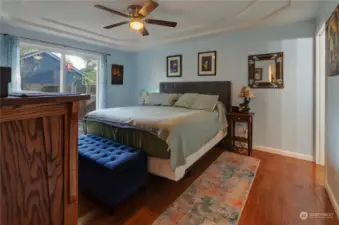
(137, 15)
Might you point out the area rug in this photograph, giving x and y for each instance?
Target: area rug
(217, 197)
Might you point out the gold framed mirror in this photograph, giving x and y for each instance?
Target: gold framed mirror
(266, 70)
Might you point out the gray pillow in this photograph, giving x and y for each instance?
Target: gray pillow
(197, 101)
(161, 99)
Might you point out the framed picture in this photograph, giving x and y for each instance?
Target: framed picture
(174, 66)
(258, 74)
(117, 74)
(207, 63)
(332, 43)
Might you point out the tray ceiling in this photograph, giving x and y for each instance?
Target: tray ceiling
(80, 20)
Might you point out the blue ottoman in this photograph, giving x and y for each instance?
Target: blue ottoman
(108, 171)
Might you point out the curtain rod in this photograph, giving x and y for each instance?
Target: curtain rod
(65, 46)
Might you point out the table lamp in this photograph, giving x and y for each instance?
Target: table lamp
(143, 95)
(247, 94)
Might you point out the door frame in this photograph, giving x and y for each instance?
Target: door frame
(320, 93)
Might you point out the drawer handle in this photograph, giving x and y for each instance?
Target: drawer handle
(238, 118)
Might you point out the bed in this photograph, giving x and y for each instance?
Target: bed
(170, 154)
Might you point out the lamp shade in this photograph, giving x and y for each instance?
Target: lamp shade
(143, 94)
(246, 92)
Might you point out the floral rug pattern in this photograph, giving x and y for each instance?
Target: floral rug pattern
(217, 197)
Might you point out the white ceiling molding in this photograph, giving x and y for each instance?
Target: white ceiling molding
(79, 26)
(3, 15)
(244, 10)
(276, 12)
(253, 24)
(78, 29)
(16, 22)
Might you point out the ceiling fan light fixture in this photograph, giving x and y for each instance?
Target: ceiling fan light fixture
(137, 15)
(136, 24)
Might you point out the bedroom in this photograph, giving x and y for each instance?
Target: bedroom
(287, 181)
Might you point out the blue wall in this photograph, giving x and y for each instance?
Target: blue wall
(122, 95)
(284, 117)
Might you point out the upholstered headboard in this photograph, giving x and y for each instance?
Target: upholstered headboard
(221, 88)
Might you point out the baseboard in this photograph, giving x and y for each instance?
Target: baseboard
(333, 200)
(285, 153)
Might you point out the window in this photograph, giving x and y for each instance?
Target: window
(50, 69)
(81, 77)
(39, 70)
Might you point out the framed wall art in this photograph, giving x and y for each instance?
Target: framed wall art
(174, 66)
(207, 63)
(332, 44)
(117, 74)
(266, 70)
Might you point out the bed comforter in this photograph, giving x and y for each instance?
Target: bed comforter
(184, 130)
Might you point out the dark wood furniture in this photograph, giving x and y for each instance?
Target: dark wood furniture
(39, 160)
(232, 118)
(5, 79)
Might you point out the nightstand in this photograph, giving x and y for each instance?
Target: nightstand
(234, 117)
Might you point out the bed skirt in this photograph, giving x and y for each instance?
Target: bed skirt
(162, 167)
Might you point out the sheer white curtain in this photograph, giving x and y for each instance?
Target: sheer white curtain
(10, 57)
(103, 82)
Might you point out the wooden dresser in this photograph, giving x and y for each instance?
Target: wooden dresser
(39, 160)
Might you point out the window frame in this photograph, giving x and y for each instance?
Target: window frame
(65, 51)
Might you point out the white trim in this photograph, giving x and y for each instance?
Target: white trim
(285, 153)
(332, 198)
(320, 99)
(62, 81)
(97, 83)
(16, 70)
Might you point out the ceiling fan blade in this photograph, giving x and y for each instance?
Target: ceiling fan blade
(148, 8)
(144, 31)
(115, 25)
(161, 22)
(111, 10)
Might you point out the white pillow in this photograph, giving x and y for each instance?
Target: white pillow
(197, 101)
(161, 99)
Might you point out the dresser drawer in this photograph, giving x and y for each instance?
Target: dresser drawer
(238, 118)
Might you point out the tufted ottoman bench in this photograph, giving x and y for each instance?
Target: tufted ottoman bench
(108, 171)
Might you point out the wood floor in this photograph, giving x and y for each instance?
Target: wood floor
(283, 187)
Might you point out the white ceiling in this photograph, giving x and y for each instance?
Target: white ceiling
(79, 19)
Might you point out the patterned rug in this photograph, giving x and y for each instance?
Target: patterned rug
(217, 197)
